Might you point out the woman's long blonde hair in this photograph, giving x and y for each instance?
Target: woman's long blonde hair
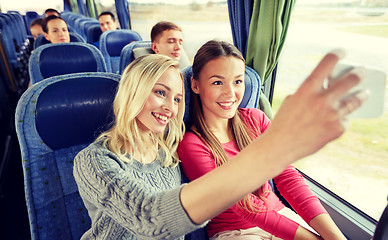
(136, 84)
(242, 132)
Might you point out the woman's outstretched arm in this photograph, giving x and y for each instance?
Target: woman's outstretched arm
(306, 121)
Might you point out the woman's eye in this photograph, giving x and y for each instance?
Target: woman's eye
(161, 93)
(177, 100)
(239, 82)
(217, 83)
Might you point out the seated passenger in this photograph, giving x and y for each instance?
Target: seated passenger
(166, 39)
(51, 11)
(220, 131)
(36, 27)
(55, 30)
(107, 22)
(129, 178)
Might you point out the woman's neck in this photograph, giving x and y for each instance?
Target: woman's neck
(221, 129)
(147, 152)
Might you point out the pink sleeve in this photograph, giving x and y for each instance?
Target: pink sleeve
(268, 220)
(196, 158)
(256, 119)
(294, 189)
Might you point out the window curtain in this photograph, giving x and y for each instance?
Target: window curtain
(81, 7)
(267, 33)
(122, 11)
(240, 13)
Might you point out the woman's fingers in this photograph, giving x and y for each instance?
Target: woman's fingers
(322, 71)
(316, 115)
(351, 102)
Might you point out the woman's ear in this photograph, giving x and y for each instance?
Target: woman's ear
(194, 85)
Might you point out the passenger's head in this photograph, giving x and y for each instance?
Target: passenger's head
(107, 21)
(51, 11)
(36, 27)
(55, 29)
(149, 103)
(166, 39)
(218, 80)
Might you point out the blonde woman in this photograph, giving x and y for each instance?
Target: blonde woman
(129, 179)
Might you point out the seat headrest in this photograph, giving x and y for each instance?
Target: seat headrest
(74, 111)
(138, 52)
(93, 33)
(117, 39)
(64, 59)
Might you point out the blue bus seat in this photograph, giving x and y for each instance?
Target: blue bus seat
(29, 17)
(112, 42)
(381, 232)
(132, 51)
(41, 40)
(64, 58)
(93, 34)
(55, 119)
(86, 25)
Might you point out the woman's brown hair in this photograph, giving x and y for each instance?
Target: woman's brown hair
(242, 132)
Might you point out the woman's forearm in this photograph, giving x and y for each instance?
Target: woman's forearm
(326, 227)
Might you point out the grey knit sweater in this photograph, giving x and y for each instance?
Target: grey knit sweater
(130, 201)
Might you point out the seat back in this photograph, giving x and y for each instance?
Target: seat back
(93, 34)
(30, 16)
(41, 40)
(64, 58)
(251, 95)
(381, 232)
(55, 119)
(112, 42)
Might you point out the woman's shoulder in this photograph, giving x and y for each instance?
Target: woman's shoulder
(249, 112)
(189, 138)
(96, 148)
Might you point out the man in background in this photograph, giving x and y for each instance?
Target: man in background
(166, 39)
(107, 21)
(50, 12)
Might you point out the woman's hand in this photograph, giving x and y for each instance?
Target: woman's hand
(315, 115)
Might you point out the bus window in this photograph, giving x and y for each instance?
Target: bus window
(354, 167)
(37, 6)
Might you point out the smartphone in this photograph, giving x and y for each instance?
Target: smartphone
(375, 82)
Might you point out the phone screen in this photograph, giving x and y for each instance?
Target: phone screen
(375, 82)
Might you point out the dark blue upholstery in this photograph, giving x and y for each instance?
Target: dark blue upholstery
(30, 16)
(93, 34)
(55, 119)
(112, 42)
(381, 232)
(41, 40)
(64, 58)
